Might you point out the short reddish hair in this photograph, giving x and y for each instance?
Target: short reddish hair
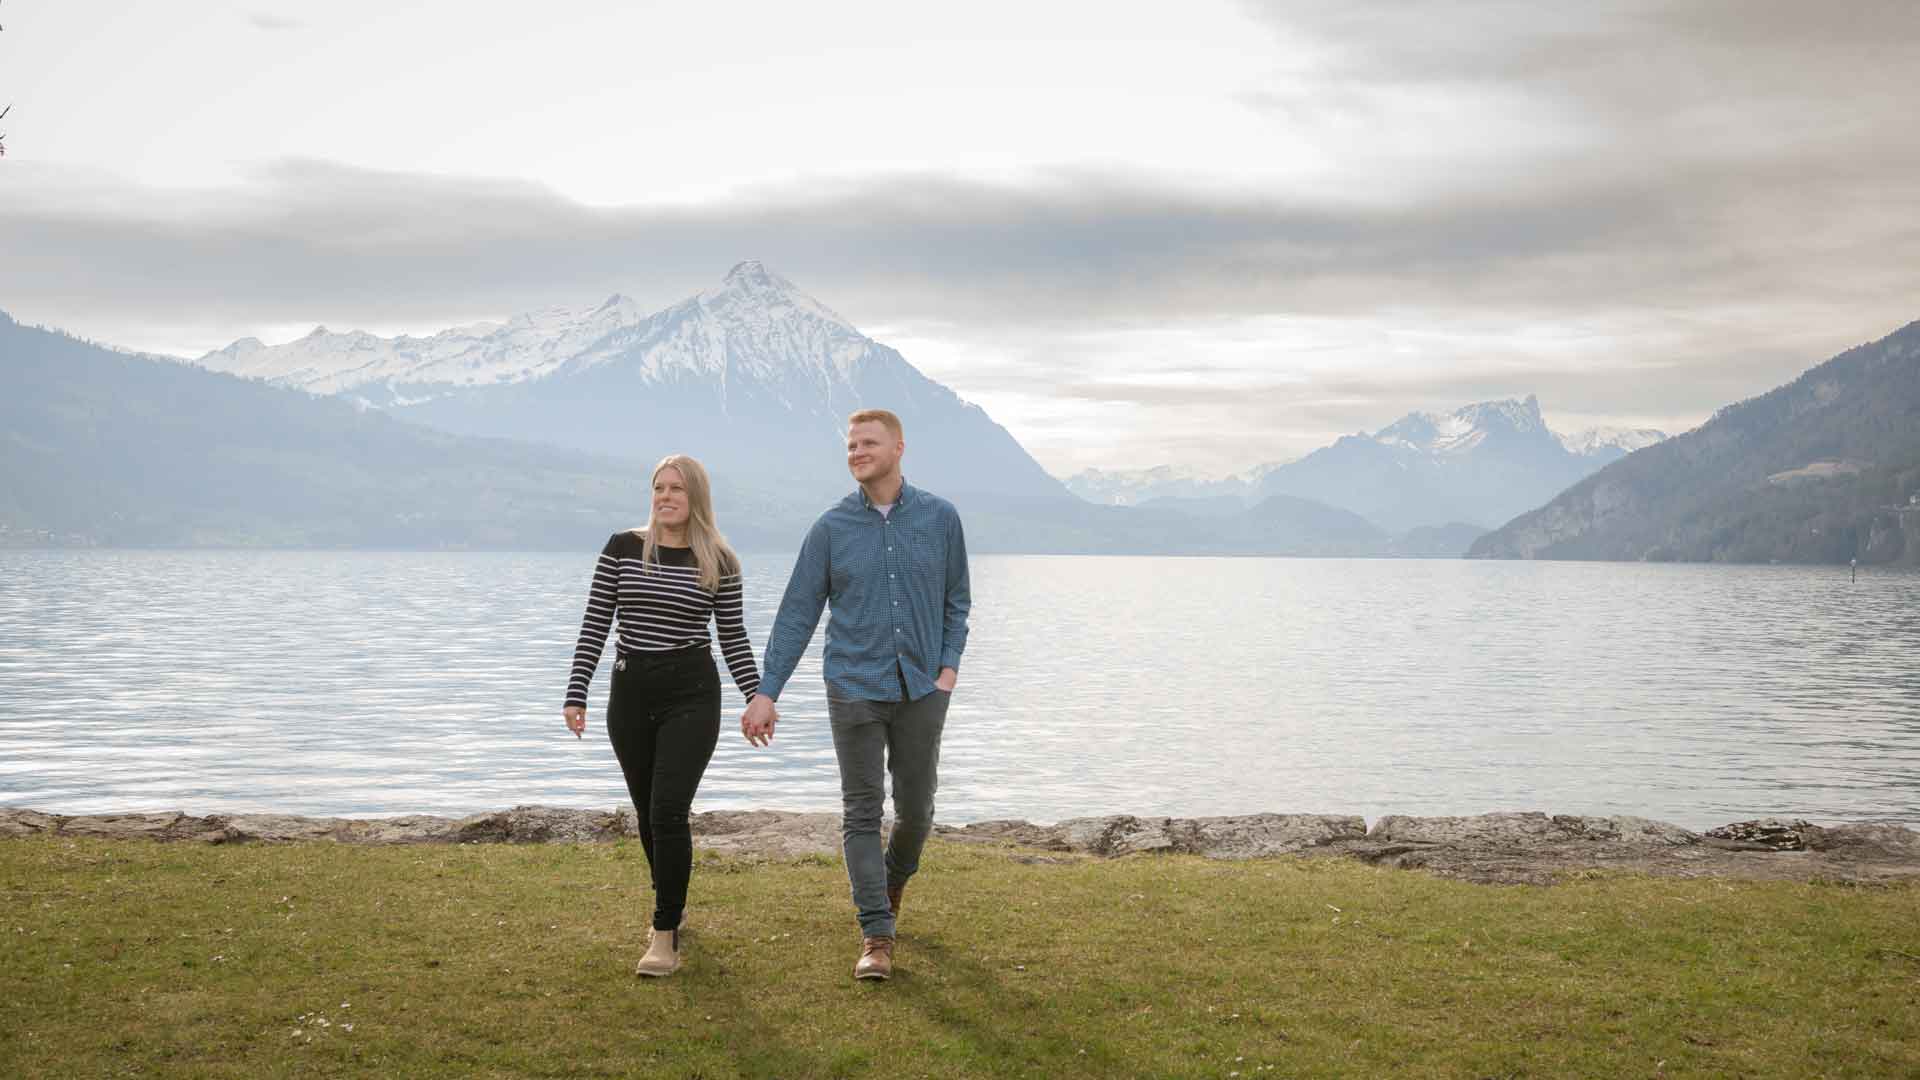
(882, 416)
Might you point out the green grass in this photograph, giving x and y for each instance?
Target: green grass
(135, 958)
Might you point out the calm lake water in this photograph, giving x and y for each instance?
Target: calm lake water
(385, 683)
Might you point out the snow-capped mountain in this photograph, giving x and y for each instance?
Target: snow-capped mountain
(1480, 464)
(1131, 487)
(1466, 428)
(1611, 443)
(526, 347)
(748, 322)
(753, 376)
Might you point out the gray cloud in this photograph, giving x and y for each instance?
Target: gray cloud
(1728, 192)
(1075, 250)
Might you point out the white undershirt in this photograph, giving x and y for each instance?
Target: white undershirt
(884, 510)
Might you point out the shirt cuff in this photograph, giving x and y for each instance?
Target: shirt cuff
(949, 660)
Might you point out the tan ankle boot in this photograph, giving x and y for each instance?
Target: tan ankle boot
(894, 893)
(663, 954)
(876, 959)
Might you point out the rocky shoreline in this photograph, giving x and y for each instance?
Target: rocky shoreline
(1505, 848)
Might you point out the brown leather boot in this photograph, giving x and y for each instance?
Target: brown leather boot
(876, 959)
(663, 954)
(893, 898)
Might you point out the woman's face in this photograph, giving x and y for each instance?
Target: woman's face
(670, 498)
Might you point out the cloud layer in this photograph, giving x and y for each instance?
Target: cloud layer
(1638, 212)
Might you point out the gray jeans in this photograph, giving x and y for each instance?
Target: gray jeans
(872, 738)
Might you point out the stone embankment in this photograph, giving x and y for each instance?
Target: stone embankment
(1501, 848)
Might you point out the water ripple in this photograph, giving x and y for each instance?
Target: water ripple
(386, 683)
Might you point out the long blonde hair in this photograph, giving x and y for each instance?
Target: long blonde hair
(711, 553)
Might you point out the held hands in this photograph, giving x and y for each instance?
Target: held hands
(576, 720)
(757, 722)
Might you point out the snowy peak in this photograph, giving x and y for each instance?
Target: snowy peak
(1130, 487)
(752, 275)
(246, 346)
(1508, 439)
(1470, 426)
(754, 320)
(1465, 428)
(1597, 441)
(525, 347)
(756, 296)
(1522, 415)
(755, 331)
(755, 326)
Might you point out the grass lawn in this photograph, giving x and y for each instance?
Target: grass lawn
(137, 958)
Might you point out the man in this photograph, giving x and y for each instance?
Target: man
(891, 562)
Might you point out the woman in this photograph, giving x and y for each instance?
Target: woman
(663, 582)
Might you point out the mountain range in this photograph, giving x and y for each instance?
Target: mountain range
(105, 448)
(536, 432)
(753, 376)
(1478, 465)
(111, 449)
(1823, 469)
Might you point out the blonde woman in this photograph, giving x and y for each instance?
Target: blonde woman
(663, 583)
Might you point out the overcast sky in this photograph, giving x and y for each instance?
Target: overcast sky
(1211, 234)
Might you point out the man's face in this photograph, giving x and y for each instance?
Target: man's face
(872, 451)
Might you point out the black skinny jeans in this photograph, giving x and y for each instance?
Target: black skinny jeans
(663, 719)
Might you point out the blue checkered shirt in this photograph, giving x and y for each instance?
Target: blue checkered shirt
(897, 586)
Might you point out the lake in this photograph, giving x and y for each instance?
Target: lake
(376, 683)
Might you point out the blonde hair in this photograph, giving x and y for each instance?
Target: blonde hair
(711, 553)
(882, 416)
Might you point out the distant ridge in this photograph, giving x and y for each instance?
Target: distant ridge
(113, 449)
(1481, 463)
(1822, 470)
(119, 450)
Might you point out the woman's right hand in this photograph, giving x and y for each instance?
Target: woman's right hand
(576, 720)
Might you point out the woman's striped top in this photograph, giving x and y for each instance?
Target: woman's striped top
(659, 606)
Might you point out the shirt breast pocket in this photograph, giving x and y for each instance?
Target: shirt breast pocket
(928, 556)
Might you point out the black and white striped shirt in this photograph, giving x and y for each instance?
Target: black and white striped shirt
(659, 606)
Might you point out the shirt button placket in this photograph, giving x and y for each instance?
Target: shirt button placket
(899, 654)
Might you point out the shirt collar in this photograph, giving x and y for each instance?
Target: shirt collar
(906, 495)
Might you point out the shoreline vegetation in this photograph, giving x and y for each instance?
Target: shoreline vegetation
(1025, 951)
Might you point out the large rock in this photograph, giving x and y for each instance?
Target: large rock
(1532, 829)
(1244, 837)
(1774, 834)
(272, 828)
(777, 833)
(168, 825)
(1535, 848)
(540, 825)
(22, 822)
(411, 829)
(1770, 833)
(1893, 841)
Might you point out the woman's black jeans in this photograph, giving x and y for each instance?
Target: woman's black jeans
(663, 719)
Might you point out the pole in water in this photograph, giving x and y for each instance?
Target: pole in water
(1853, 569)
